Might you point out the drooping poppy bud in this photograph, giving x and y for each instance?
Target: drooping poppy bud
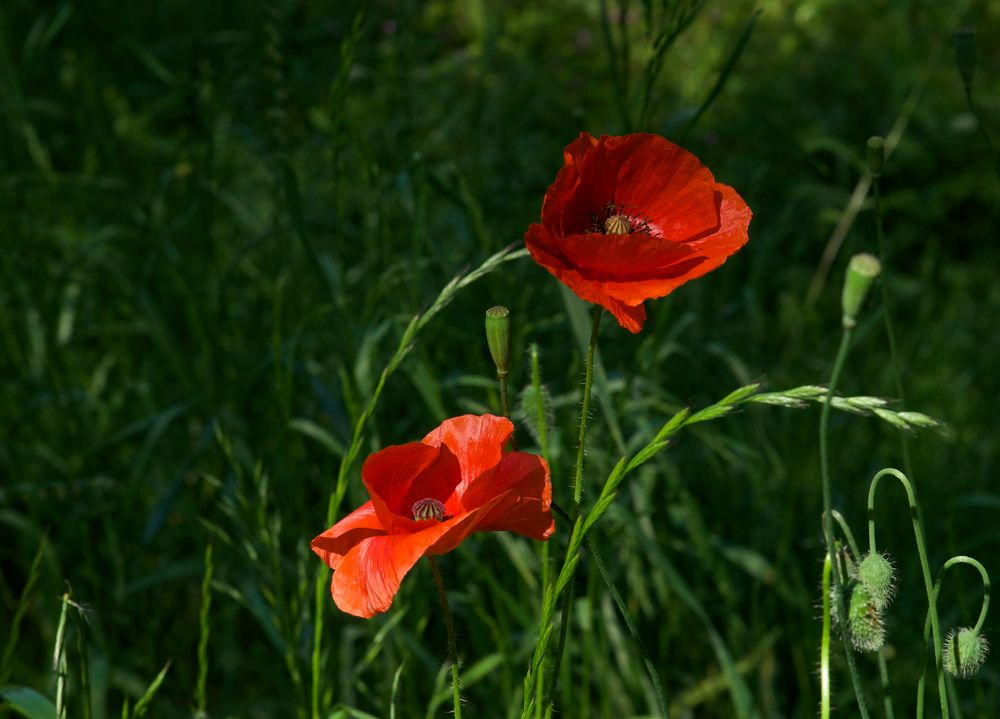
(865, 623)
(965, 652)
(876, 574)
(965, 54)
(861, 272)
(498, 337)
(876, 155)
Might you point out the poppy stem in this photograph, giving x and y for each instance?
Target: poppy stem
(824, 462)
(585, 409)
(567, 598)
(452, 644)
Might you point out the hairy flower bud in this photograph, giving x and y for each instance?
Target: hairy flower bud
(864, 620)
(876, 574)
(965, 652)
(498, 337)
(861, 272)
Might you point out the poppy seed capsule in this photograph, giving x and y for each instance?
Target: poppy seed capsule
(498, 337)
(877, 575)
(617, 225)
(861, 272)
(965, 652)
(864, 619)
(428, 509)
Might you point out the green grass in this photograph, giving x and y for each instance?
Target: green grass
(218, 220)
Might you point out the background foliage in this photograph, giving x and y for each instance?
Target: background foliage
(217, 219)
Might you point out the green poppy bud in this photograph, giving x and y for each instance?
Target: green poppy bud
(861, 272)
(965, 652)
(876, 155)
(864, 619)
(876, 574)
(498, 337)
(965, 54)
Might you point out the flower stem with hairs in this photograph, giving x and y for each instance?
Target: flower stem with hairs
(452, 644)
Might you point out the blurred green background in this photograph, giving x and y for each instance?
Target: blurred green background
(218, 217)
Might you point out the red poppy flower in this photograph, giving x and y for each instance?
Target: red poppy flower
(632, 218)
(426, 497)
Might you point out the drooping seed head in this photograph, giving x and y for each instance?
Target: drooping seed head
(965, 652)
(876, 574)
(428, 509)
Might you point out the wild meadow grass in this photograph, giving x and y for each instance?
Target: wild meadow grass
(246, 245)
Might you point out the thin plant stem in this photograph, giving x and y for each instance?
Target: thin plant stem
(890, 330)
(504, 401)
(982, 130)
(585, 409)
(918, 534)
(824, 647)
(567, 600)
(59, 658)
(81, 648)
(824, 460)
(203, 634)
(984, 609)
(541, 425)
(452, 644)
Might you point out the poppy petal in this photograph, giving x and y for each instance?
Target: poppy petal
(669, 186)
(626, 257)
(521, 495)
(369, 575)
(338, 540)
(477, 441)
(629, 315)
(399, 476)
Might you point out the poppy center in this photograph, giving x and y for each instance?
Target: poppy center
(617, 225)
(428, 509)
(615, 219)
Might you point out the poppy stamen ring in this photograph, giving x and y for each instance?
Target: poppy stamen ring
(615, 219)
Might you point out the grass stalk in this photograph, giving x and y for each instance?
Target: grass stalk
(203, 634)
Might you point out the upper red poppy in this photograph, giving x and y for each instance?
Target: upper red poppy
(632, 218)
(428, 496)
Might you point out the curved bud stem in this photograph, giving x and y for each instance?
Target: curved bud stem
(918, 534)
(960, 559)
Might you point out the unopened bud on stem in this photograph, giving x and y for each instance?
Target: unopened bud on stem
(965, 651)
(876, 155)
(498, 337)
(861, 272)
